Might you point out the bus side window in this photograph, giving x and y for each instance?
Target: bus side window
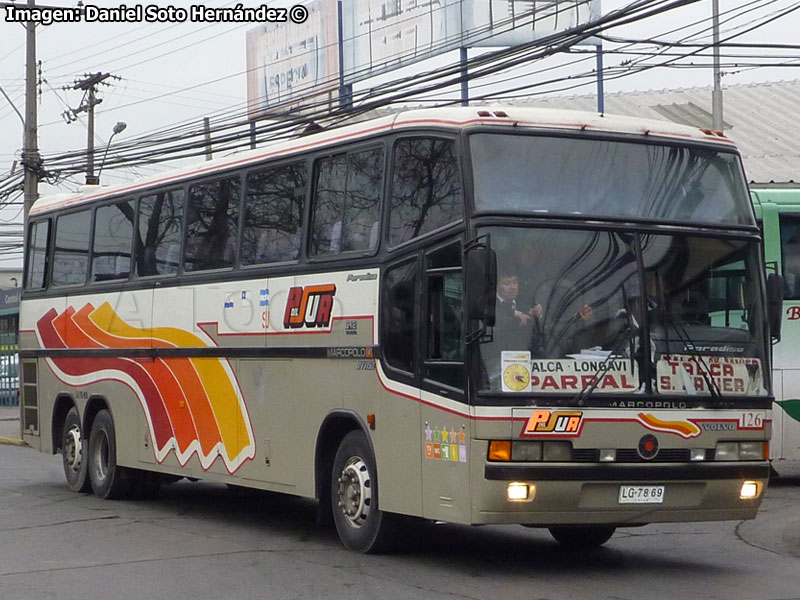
(397, 327)
(426, 188)
(71, 253)
(111, 248)
(346, 212)
(212, 226)
(444, 352)
(445, 309)
(158, 233)
(328, 205)
(790, 255)
(362, 211)
(273, 219)
(36, 277)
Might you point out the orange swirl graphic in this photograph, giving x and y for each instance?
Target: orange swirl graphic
(193, 405)
(682, 428)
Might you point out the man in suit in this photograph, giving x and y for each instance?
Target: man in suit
(513, 326)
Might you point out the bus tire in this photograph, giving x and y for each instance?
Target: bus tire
(583, 537)
(109, 480)
(73, 453)
(360, 523)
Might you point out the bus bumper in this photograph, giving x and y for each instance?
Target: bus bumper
(591, 494)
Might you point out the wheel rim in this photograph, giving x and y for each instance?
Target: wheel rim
(355, 492)
(73, 448)
(101, 455)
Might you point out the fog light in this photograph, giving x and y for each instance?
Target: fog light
(520, 492)
(608, 455)
(697, 454)
(750, 489)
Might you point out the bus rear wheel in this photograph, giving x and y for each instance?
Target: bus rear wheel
(360, 523)
(582, 537)
(73, 453)
(108, 479)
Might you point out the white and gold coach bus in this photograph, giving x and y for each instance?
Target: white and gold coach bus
(466, 315)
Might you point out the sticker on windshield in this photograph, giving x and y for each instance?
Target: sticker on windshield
(574, 375)
(726, 375)
(516, 371)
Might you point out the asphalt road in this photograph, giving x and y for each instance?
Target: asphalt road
(202, 540)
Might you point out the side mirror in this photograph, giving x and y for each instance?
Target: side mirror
(481, 278)
(775, 304)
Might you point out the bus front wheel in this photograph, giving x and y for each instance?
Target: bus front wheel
(360, 523)
(583, 537)
(73, 453)
(108, 479)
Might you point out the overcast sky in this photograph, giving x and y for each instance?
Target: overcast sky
(159, 63)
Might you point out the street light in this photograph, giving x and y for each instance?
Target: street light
(118, 128)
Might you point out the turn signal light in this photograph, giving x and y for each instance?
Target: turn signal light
(500, 450)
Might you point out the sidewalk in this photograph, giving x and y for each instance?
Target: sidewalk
(9, 425)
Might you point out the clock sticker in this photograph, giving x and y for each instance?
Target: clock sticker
(516, 378)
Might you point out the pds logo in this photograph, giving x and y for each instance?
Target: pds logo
(545, 422)
(309, 306)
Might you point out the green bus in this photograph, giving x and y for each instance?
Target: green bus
(778, 210)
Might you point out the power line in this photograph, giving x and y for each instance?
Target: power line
(436, 81)
(183, 140)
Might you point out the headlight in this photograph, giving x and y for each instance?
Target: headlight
(751, 450)
(727, 451)
(742, 451)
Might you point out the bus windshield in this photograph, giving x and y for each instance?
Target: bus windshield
(610, 312)
(591, 177)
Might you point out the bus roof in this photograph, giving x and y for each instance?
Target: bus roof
(781, 195)
(448, 118)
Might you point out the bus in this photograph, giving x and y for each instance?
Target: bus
(468, 315)
(778, 212)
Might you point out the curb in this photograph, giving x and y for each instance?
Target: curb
(12, 441)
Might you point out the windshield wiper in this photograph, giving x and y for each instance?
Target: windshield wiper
(688, 346)
(622, 338)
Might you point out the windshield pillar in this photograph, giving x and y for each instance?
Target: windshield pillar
(644, 333)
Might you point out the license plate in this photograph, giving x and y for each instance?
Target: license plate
(641, 494)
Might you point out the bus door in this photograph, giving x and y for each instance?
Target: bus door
(36, 276)
(445, 413)
(399, 337)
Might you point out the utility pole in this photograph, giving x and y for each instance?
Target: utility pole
(31, 160)
(464, 59)
(207, 134)
(716, 95)
(601, 99)
(89, 85)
